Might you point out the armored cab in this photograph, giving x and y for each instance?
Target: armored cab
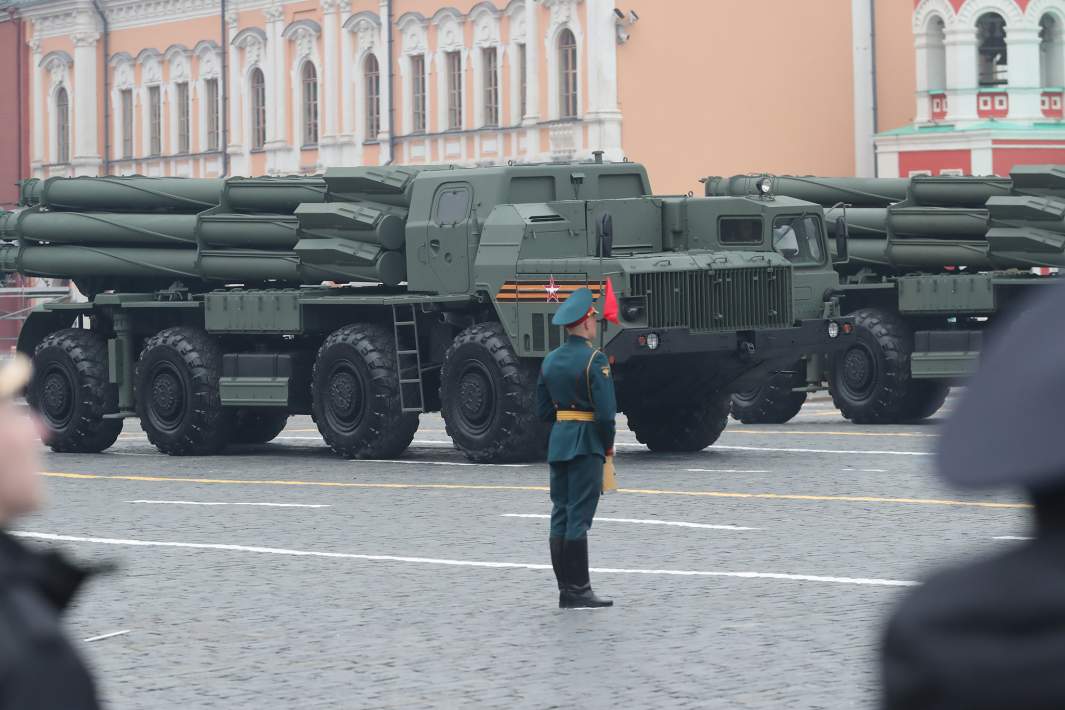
(933, 261)
(367, 296)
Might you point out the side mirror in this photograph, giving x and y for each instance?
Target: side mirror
(604, 228)
(842, 234)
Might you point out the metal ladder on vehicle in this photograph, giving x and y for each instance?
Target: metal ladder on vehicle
(408, 357)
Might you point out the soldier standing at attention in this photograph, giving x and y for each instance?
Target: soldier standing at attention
(576, 392)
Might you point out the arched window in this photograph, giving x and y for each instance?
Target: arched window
(567, 74)
(1051, 60)
(258, 109)
(991, 49)
(373, 97)
(62, 126)
(309, 77)
(936, 55)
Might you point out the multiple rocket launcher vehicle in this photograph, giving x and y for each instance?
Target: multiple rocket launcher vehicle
(932, 262)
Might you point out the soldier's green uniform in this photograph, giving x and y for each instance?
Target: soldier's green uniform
(576, 392)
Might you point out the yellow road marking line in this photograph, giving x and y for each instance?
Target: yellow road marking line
(504, 487)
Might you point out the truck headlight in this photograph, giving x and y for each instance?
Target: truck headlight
(652, 341)
(833, 329)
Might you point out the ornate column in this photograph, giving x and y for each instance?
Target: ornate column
(330, 27)
(346, 140)
(277, 144)
(86, 155)
(387, 55)
(602, 114)
(37, 109)
(961, 73)
(532, 79)
(1025, 83)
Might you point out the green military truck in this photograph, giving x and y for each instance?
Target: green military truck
(364, 297)
(933, 263)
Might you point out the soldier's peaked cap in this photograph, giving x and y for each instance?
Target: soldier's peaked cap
(575, 308)
(1007, 427)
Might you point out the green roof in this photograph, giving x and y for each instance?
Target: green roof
(990, 124)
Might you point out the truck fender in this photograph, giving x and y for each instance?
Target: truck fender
(39, 324)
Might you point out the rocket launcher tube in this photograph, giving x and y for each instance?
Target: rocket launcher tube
(130, 194)
(272, 195)
(362, 221)
(825, 191)
(247, 231)
(106, 228)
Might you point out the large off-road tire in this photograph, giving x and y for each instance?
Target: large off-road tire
(923, 399)
(258, 425)
(772, 402)
(355, 391)
(71, 391)
(177, 395)
(681, 427)
(487, 395)
(870, 381)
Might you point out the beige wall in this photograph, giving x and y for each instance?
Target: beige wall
(736, 86)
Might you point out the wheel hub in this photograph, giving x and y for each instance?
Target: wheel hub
(167, 396)
(858, 369)
(57, 396)
(344, 394)
(474, 396)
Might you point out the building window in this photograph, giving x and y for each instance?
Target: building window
(155, 121)
(183, 116)
(567, 68)
(62, 126)
(258, 109)
(210, 91)
(373, 97)
(523, 72)
(991, 49)
(490, 62)
(417, 92)
(310, 104)
(454, 90)
(127, 123)
(1051, 69)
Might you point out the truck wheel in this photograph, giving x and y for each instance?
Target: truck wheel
(71, 392)
(258, 425)
(869, 381)
(176, 390)
(686, 428)
(924, 398)
(487, 397)
(772, 402)
(355, 390)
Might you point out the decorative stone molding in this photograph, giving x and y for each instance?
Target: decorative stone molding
(303, 33)
(85, 38)
(367, 29)
(449, 37)
(517, 24)
(973, 9)
(485, 20)
(275, 12)
(928, 9)
(563, 13)
(412, 28)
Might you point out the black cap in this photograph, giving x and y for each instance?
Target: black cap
(1008, 427)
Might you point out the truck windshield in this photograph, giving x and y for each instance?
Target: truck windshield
(798, 239)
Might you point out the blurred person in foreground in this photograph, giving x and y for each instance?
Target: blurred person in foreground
(990, 634)
(39, 667)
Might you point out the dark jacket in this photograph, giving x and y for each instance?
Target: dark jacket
(567, 382)
(986, 636)
(39, 668)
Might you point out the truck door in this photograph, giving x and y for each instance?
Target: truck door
(448, 236)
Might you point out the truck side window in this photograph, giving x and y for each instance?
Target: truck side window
(798, 239)
(740, 230)
(452, 205)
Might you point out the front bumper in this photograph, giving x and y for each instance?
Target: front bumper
(767, 346)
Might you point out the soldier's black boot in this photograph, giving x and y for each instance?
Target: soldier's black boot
(578, 592)
(557, 564)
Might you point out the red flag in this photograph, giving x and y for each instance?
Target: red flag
(610, 303)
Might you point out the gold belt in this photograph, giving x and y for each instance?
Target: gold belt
(572, 415)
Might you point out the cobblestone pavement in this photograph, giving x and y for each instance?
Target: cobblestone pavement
(424, 582)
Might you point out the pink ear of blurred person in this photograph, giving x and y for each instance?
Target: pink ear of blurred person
(21, 491)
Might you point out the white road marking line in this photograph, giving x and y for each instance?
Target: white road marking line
(1012, 537)
(466, 563)
(866, 470)
(197, 502)
(672, 523)
(819, 451)
(723, 470)
(444, 463)
(101, 637)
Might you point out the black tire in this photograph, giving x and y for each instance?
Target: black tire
(176, 387)
(870, 381)
(924, 398)
(71, 391)
(355, 391)
(258, 425)
(488, 398)
(688, 427)
(772, 402)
